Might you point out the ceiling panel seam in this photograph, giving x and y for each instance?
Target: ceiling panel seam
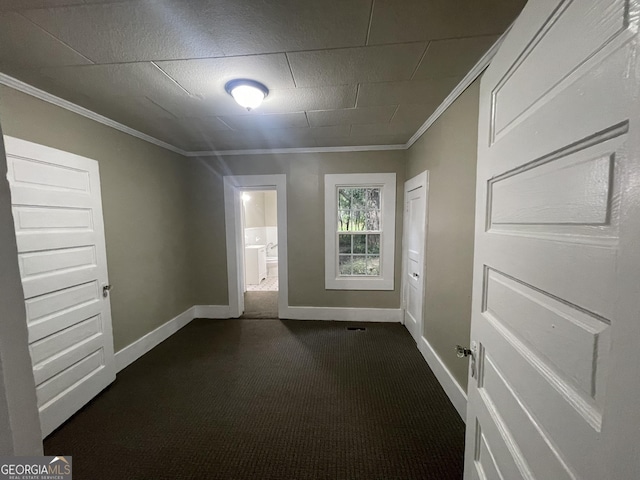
(373, 5)
(55, 38)
(474, 73)
(169, 77)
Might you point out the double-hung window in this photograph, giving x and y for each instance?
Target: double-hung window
(359, 231)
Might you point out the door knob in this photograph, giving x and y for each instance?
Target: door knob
(105, 290)
(462, 352)
(417, 275)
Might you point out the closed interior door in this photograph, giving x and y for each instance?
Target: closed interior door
(414, 246)
(61, 253)
(556, 309)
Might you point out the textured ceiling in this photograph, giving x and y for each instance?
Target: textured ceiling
(340, 72)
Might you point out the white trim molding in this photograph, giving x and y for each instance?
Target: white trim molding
(388, 315)
(233, 186)
(267, 151)
(146, 343)
(451, 387)
(72, 107)
(212, 311)
(387, 184)
(468, 79)
(135, 350)
(85, 112)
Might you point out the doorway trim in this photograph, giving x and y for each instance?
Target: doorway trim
(233, 186)
(419, 181)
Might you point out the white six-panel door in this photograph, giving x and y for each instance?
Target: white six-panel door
(556, 299)
(57, 212)
(414, 236)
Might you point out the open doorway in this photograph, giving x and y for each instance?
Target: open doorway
(260, 254)
(260, 231)
(256, 232)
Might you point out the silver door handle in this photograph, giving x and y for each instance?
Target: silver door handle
(105, 290)
(463, 352)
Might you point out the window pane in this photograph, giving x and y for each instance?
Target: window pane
(359, 198)
(359, 244)
(373, 198)
(344, 264)
(373, 220)
(358, 221)
(344, 199)
(373, 265)
(373, 244)
(344, 243)
(344, 220)
(359, 265)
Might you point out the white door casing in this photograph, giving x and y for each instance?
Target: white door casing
(557, 257)
(233, 187)
(57, 211)
(413, 252)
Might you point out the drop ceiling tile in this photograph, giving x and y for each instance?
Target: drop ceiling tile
(334, 131)
(269, 121)
(312, 98)
(131, 111)
(129, 79)
(413, 116)
(130, 31)
(25, 45)
(349, 116)
(395, 93)
(278, 101)
(375, 129)
(208, 76)
(235, 141)
(184, 131)
(450, 58)
(183, 105)
(396, 21)
(248, 26)
(385, 63)
(363, 140)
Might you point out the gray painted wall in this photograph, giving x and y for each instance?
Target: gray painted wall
(19, 423)
(449, 151)
(144, 198)
(305, 217)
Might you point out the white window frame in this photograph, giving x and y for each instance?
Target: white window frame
(387, 183)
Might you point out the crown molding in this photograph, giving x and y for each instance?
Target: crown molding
(268, 151)
(468, 79)
(85, 112)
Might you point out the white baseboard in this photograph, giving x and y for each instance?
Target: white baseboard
(212, 311)
(134, 351)
(392, 315)
(451, 387)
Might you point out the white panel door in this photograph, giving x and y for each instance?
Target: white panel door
(556, 295)
(57, 212)
(415, 223)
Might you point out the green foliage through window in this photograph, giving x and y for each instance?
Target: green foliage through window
(359, 230)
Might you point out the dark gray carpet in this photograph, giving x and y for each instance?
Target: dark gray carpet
(270, 399)
(260, 305)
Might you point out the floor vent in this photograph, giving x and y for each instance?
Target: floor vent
(360, 329)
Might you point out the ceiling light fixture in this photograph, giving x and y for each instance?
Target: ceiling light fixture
(247, 93)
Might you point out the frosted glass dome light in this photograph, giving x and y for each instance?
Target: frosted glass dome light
(247, 93)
